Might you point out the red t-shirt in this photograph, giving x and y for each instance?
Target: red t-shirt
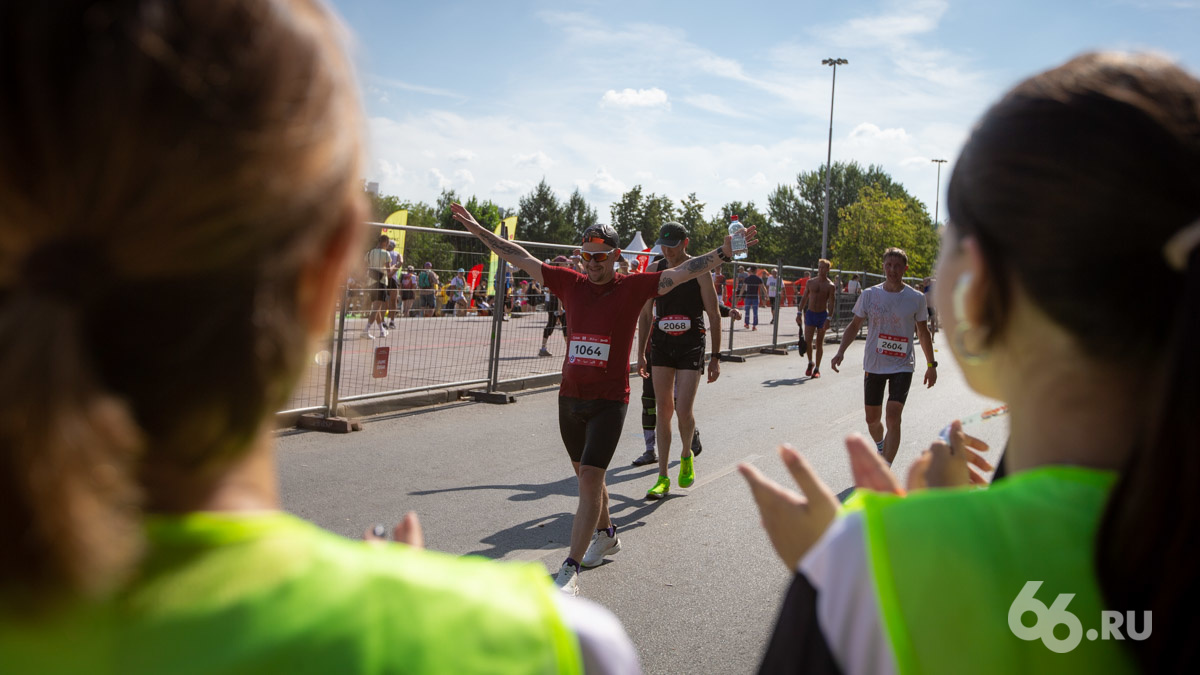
(600, 326)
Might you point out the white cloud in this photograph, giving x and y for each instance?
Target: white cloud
(867, 133)
(464, 177)
(758, 180)
(509, 187)
(438, 179)
(462, 155)
(538, 159)
(603, 182)
(640, 98)
(415, 88)
(716, 104)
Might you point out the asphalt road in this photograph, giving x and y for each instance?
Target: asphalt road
(697, 584)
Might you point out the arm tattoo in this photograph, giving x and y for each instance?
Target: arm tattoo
(701, 263)
(664, 283)
(500, 245)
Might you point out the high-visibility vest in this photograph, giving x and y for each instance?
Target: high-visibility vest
(949, 566)
(269, 593)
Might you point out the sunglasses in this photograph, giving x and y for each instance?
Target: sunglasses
(598, 256)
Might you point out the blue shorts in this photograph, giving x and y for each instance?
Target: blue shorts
(815, 319)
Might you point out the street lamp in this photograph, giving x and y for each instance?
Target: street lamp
(938, 197)
(829, 156)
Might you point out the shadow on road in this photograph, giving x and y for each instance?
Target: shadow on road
(792, 382)
(566, 486)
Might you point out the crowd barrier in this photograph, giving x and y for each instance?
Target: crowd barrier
(437, 344)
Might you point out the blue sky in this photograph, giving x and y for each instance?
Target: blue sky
(724, 99)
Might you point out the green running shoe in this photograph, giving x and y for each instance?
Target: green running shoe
(660, 489)
(687, 473)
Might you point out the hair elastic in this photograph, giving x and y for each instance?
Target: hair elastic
(1181, 245)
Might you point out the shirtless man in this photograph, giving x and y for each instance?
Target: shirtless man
(816, 305)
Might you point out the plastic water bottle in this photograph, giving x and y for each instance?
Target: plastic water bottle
(738, 234)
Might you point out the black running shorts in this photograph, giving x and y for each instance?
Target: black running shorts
(591, 428)
(897, 384)
(677, 356)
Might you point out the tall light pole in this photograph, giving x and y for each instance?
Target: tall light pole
(938, 197)
(829, 155)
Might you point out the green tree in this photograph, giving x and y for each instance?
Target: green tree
(798, 227)
(539, 214)
(847, 179)
(627, 214)
(577, 217)
(703, 234)
(876, 222)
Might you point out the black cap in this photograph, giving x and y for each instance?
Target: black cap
(671, 234)
(601, 234)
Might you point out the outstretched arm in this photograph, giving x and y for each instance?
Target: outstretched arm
(694, 267)
(512, 253)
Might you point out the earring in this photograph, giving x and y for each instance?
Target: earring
(964, 326)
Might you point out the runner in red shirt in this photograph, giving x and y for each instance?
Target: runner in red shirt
(594, 395)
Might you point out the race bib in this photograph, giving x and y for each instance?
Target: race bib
(589, 350)
(676, 324)
(892, 345)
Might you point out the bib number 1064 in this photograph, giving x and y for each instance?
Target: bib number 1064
(589, 350)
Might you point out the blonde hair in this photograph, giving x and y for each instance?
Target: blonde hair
(179, 159)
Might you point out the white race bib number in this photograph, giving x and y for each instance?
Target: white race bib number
(676, 324)
(892, 345)
(589, 350)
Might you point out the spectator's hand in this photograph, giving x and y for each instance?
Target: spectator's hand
(930, 377)
(408, 531)
(641, 365)
(869, 469)
(714, 369)
(799, 320)
(836, 361)
(793, 523)
(949, 465)
(735, 314)
(827, 321)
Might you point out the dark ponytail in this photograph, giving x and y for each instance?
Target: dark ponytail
(1082, 169)
(1148, 540)
(68, 498)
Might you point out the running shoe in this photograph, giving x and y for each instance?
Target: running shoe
(545, 352)
(816, 373)
(696, 447)
(809, 371)
(647, 457)
(367, 335)
(687, 473)
(601, 545)
(567, 579)
(660, 489)
(382, 331)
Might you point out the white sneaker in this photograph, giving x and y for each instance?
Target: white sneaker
(601, 545)
(382, 332)
(367, 335)
(567, 579)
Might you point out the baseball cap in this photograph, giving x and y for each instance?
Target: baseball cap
(560, 259)
(671, 234)
(461, 270)
(428, 265)
(601, 234)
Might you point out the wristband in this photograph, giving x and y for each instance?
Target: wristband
(931, 364)
(721, 254)
(715, 355)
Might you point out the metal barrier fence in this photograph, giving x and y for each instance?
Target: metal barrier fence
(439, 344)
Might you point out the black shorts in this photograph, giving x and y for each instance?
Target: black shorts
(898, 384)
(591, 428)
(378, 292)
(686, 355)
(406, 294)
(392, 284)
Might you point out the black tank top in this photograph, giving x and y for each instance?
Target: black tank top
(683, 301)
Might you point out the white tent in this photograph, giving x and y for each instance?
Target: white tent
(638, 246)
